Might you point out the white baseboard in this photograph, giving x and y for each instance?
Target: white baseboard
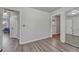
(34, 40)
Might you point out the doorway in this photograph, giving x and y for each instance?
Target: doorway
(11, 23)
(11, 29)
(56, 27)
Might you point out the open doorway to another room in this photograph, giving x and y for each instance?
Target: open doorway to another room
(10, 29)
(6, 29)
(11, 23)
(56, 27)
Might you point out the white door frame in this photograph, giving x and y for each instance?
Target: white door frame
(18, 21)
(1, 31)
(51, 23)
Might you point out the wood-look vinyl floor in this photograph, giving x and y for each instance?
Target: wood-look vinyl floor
(44, 45)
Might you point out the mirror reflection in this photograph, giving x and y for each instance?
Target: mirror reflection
(72, 27)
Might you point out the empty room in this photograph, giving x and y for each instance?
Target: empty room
(39, 29)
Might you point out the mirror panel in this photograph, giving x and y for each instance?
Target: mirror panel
(72, 27)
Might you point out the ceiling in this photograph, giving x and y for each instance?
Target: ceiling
(46, 9)
(73, 12)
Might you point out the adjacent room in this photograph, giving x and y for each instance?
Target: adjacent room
(56, 26)
(39, 29)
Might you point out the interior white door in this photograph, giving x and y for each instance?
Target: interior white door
(69, 26)
(54, 25)
(76, 25)
(13, 25)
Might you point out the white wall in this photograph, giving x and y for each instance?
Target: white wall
(1, 35)
(36, 24)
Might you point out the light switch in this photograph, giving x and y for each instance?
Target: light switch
(24, 25)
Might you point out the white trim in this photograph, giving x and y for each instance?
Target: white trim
(34, 40)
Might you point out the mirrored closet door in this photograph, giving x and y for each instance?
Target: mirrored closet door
(72, 27)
